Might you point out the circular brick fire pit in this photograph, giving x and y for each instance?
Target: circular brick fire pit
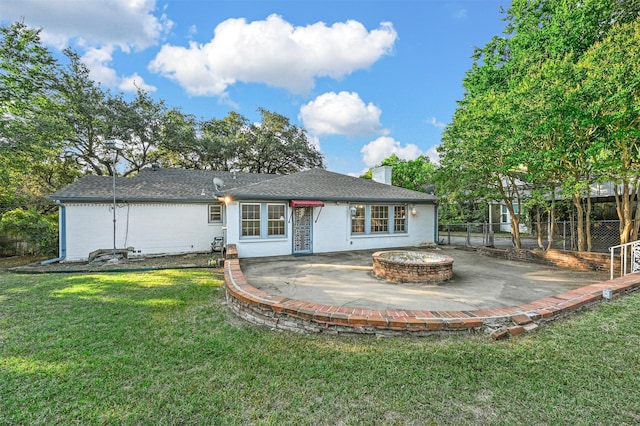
(406, 266)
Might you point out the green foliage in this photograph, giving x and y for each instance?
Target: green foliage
(551, 104)
(415, 174)
(28, 89)
(462, 213)
(277, 146)
(30, 119)
(39, 231)
(232, 143)
(54, 120)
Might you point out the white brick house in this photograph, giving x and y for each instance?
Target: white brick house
(165, 211)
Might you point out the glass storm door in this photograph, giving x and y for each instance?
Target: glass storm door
(302, 228)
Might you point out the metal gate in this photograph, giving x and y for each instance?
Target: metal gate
(629, 255)
(302, 230)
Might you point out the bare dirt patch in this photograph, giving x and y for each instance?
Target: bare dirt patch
(189, 260)
(13, 261)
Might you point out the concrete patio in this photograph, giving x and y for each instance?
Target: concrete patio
(336, 293)
(346, 279)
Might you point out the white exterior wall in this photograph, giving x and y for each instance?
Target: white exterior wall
(179, 228)
(148, 228)
(252, 247)
(332, 232)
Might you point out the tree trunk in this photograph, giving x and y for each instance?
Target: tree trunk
(515, 225)
(625, 215)
(577, 203)
(636, 217)
(626, 210)
(515, 231)
(552, 223)
(539, 226)
(587, 225)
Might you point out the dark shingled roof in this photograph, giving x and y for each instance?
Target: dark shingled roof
(157, 185)
(327, 186)
(179, 185)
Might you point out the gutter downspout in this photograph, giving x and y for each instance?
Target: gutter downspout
(62, 233)
(435, 224)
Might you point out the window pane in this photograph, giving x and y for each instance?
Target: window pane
(503, 214)
(357, 220)
(215, 213)
(276, 220)
(379, 219)
(250, 223)
(399, 219)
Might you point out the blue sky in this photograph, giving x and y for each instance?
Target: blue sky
(367, 79)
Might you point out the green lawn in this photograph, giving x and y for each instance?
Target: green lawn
(162, 348)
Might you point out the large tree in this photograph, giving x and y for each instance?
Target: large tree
(31, 125)
(142, 124)
(528, 108)
(417, 174)
(204, 145)
(94, 115)
(611, 94)
(273, 145)
(276, 146)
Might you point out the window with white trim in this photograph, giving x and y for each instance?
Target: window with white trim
(263, 220)
(276, 220)
(376, 219)
(215, 213)
(250, 220)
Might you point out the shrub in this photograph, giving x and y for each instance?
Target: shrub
(39, 231)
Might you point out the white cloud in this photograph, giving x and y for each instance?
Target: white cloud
(97, 28)
(125, 23)
(375, 151)
(274, 52)
(98, 60)
(314, 140)
(341, 113)
(134, 82)
(433, 154)
(435, 123)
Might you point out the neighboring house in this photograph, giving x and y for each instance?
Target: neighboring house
(163, 211)
(501, 212)
(602, 198)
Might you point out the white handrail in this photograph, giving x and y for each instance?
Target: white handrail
(633, 261)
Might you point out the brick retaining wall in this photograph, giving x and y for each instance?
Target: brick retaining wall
(279, 312)
(580, 260)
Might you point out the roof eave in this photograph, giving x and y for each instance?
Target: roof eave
(131, 200)
(330, 198)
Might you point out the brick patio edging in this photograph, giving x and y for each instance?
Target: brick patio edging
(279, 312)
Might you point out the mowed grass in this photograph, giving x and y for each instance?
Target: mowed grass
(162, 348)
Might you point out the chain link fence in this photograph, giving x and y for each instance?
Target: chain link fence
(604, 234)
